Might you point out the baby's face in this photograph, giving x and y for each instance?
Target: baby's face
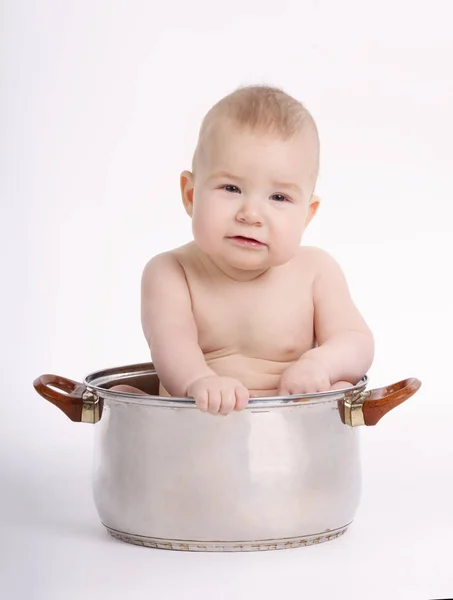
(252, 197)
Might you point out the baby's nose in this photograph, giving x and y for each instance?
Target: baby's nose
(249, 212)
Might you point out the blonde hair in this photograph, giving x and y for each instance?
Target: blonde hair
(261, 108)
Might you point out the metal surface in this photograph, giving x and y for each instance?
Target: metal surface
(143, 376)
(166, 475)
(281, 544)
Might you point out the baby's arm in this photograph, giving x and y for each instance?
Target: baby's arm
(345, 343)
(169, 326)
(171, 333)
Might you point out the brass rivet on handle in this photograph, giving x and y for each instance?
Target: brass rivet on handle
(90, 407)
(353, 408)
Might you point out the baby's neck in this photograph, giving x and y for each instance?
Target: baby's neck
(217, 269)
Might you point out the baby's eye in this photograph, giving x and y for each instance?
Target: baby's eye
(279, 197)
(232, 189)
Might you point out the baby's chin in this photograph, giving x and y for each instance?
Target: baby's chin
(254, 262)
(241, 270)
(246, 271)
(248, 262)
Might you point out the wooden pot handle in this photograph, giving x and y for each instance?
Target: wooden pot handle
(382, 400)
(70, 402)
(368, 407)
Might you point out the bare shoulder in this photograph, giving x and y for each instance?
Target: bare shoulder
(165, 297)
(167, 264)
(318, 260)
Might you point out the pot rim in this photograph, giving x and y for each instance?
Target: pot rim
(97, 379)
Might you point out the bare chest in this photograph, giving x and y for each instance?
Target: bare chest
(272, 321)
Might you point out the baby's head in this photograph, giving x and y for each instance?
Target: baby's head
(253, 175)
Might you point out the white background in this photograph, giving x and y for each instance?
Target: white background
(100, 106)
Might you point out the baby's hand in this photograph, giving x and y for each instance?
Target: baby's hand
(216, 394)
(305, 376)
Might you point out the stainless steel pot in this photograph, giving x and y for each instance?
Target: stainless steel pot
(283, 473)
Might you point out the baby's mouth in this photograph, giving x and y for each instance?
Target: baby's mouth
(246, 241)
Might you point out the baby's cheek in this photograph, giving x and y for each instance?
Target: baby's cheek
(203, 231)
(285, 249)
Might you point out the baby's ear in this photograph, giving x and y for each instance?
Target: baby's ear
(186, 182)
(312, 208)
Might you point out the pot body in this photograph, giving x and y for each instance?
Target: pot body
(281, 473)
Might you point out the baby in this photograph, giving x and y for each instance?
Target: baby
(244, 310)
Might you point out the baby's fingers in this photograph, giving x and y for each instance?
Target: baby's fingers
(283, 391)
(202, 400)
(228, 402)
(340, 385)
(215, 401)
(242, 397)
